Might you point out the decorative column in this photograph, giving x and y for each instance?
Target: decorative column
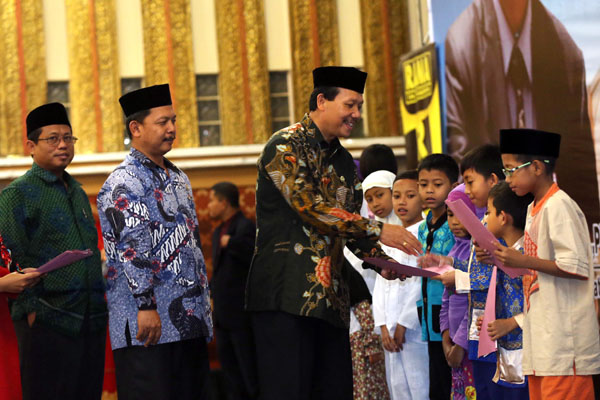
(243, 72)
(169, 57)
(94, 82)
(315, 42)
(385, 39)
(22, 70)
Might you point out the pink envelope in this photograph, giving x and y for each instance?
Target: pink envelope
(486, 344)
(481, 235)
(64, 259)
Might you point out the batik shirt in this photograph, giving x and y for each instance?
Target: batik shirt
(307, 201)
(41, 217)
(152, 245)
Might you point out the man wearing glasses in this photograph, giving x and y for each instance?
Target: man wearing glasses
(60, 322)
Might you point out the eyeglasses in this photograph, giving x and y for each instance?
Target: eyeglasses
(510, 172)
(55, 140)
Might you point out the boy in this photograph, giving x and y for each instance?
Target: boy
(395, 305)
(438, 174)
(505, 219)
(561, 346)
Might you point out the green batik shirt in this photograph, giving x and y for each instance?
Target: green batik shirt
(308, 197)
(39, 219)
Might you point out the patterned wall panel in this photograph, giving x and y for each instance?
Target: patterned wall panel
(22, 71)
(94, 87)
(384, 41)
(243, 77)
(315, 43)
(168, 56)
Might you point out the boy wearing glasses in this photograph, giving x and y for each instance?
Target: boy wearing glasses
(61, 322)
(561, 345)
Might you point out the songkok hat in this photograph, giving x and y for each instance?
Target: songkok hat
(381, 178)
(530, 142)
(47, 114)
(145, 99)
(344, 77)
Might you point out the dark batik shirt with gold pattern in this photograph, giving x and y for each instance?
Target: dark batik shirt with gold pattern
(308, 198)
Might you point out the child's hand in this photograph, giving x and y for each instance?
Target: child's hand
(399, 336)
(446, 343)
(431, 260)
(510, 257)
(448, 279)
(386, 339)
(482, 255)
(455, 356)
(501, 327)
(479, 322)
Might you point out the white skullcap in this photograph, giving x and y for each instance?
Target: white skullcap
(381, 178)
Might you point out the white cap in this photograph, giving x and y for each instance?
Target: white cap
(381, 178)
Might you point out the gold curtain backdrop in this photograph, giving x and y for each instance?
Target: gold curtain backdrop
(22, 70)
(169, 57)
(243, 68)
(314, 43)
(94, 85)
(385, 39)
(244, 77)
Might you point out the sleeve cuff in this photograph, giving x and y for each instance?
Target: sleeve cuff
(462, 281)
(519, 318)
(145, 300)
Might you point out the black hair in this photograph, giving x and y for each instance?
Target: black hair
(377, 157)
(549, 166)
(504, 199)
(34, 135)
(440, 162)
(329, 92)
(408, 174)
(485, 160)
(227, 191)
(138, 117)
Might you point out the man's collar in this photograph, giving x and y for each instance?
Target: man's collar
(49, 177)
(141, 157)
(316, 137)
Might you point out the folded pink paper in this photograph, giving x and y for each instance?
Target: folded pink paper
(486, 344)
(408, 270)
(64, 259)
(481, 235)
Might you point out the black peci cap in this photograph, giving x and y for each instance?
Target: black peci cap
(145, 99)
(47, 114)
(530, 142)
(344, 77)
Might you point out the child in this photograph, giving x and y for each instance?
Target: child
(395, 305)
(561, 345)
(438, 174)
(505, 219)
(454, 317)
(481, 169)
(368, 365)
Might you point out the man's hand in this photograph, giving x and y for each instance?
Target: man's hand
(16, 282)
(398, 237)
(225, 240)
(388, 343)
(400, 336)
(510, 257)
(455, 356)
(30, 319)
(149, 327)
(501, 327)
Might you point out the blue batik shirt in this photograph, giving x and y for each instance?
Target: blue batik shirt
(152, 245)
(432, 291)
